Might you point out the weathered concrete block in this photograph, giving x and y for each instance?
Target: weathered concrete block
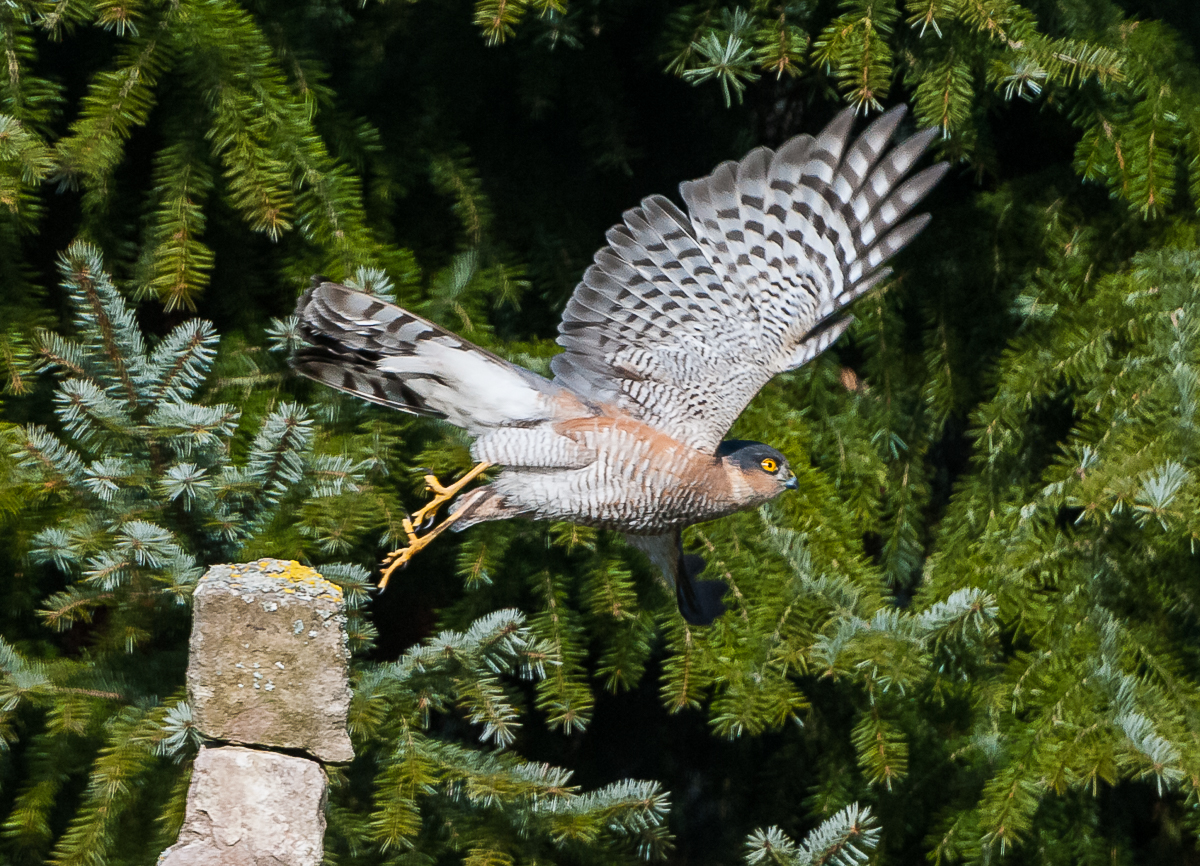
(251, 808)
(268, 658)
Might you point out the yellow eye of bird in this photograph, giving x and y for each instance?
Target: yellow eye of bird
(769, 465)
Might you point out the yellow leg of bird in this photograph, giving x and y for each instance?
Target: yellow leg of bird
(416, 543)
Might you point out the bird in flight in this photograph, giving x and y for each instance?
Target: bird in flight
(677, 324)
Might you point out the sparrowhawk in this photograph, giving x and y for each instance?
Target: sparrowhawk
(679, 322)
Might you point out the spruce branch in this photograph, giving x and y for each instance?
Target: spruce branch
(854, 48)
(178, 260)
(562, 695)
(726, 55)
(115, 341)
(117, 102)
(25, 161)
(845, 839)
(180, 362)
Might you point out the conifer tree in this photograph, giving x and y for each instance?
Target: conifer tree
(973, 620)
(149, 495)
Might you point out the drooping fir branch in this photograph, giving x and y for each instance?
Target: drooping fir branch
(256, 131)
(30, 98)
(118, 101)
(563, 694)
(25, 162)
(782, 44)
(279, 171)
(854, 47)
(499, 802)
(177, 262)
(137, 742)
(498, 18)
(1082, 554)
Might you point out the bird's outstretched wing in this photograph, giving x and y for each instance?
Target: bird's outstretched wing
(683, 318)
(379, 352)
(699, 600)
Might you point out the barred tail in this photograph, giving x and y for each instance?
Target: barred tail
(384, 354)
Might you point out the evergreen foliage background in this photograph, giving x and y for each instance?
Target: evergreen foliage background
(968, 638)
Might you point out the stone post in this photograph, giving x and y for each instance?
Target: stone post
(268, 679)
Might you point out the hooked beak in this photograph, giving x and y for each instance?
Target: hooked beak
(792, 483)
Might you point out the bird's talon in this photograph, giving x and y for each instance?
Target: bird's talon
(420, 528)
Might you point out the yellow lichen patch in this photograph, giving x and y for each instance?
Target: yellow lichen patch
(296, 573)
(276, 575)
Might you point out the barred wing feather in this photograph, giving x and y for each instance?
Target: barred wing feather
(682, 318)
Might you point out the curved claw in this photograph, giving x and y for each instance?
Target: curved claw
(419, 527)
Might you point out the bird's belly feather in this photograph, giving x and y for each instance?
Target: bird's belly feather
(640, 481)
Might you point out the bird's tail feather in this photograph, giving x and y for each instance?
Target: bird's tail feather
(387, 355)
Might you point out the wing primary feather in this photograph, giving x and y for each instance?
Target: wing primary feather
(902, 200)
(669, 210)
(894, 241)
(789, 160)
(862, 287)
(699, 600)
(819, 340)
(827, 148)
(863, 154)
(685, 316)
(889, 172)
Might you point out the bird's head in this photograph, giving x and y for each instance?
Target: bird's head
(763, 470)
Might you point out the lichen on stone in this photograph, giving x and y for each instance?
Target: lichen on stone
(274, 575)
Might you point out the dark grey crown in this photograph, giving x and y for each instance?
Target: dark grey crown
(747, 454)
